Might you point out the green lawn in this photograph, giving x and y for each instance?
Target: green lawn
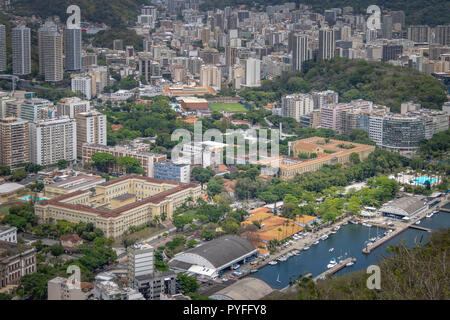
(227, 107)
(4, 209)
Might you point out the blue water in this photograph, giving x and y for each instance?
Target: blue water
(350, 238)
(421, 180)
(26, 198)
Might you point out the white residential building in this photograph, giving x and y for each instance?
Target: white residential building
(326, 44)
(53, 140)
(211, 76)
(91, 128)
(84, 85)
(140, 261)
(253, 72)
(31, 109)
(296, 105)
(2, 47)
(71, 107)
(21, 50)
(376, 128)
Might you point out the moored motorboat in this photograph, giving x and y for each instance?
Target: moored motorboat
(332, 263)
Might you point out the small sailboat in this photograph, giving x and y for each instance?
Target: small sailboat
(331, 250)
(429, 215)
(418, 222)
(278, 278)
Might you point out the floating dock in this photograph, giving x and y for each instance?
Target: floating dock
(336, 268)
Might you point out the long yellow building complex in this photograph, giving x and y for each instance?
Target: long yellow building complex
(326, 151)
(118, 204)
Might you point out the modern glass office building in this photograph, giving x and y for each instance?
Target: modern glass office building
(402, 133)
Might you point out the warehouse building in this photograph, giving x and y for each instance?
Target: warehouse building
(404, 208)
(246, 289)
(209, 259)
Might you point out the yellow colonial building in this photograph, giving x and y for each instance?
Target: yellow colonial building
(326, 151)
(118, 204)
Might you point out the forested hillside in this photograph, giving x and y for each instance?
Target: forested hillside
(111, 12)
(355, 79)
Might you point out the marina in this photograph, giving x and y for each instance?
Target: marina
(347, 242)
(399, 228)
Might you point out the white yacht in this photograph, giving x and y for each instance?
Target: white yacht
(317, 242)
(348, 264)
(332, 263)
(305, 248)
(418, 222)
(272, 263)
(337, 228)
(331, 250)
(324, 237)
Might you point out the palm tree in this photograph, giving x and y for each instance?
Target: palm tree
(156, 220)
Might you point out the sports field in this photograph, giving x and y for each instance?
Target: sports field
(227, 107)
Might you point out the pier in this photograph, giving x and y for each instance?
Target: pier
(402, 226)
(414, 226)
(336, 268)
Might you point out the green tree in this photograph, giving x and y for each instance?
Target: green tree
(354, 158)
(56, 250)
(5, 170)
(19, 175)
(203, 175)
(131, 165)
(103, 160)
(188, 284)
(215, 186)
(61, 164)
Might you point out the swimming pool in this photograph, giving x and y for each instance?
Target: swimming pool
(26, 198)
(421, 180)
